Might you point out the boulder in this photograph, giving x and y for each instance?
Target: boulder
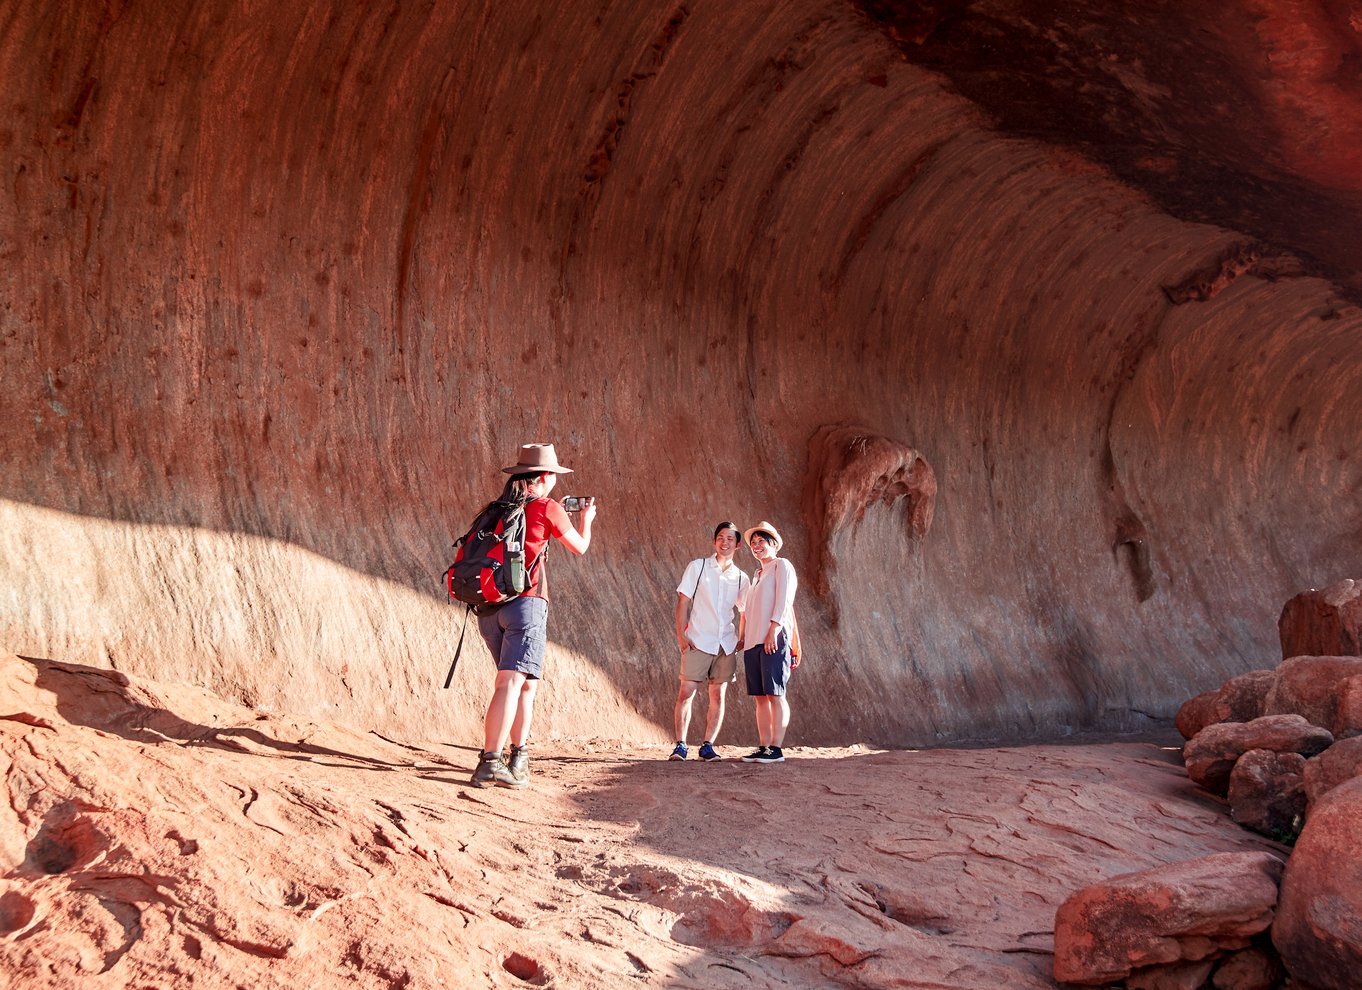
(1197, 713)
(1249, 969)
(1211, 755)
(1338, 764)
(1325, 622)
(1267, 793)
(1174, 914)
(1311, 686)
(1348, 718)
(1318, 928)
(1245, 694)
(1239, 699)
(1179, 976)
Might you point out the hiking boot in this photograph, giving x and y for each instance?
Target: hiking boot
(773, 755)
(520, 763)
(756, 756)
(707, 751)
(680, 752)
(492, 769)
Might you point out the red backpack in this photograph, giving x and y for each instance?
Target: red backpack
(489, 563)
(489, 560)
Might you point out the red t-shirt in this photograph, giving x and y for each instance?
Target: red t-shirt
(544, 518)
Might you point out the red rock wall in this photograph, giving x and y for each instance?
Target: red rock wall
(283, 290)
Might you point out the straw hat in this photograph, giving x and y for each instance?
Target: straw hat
(763, 527)
(536, 458)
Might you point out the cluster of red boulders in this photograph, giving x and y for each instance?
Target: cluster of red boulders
(1284, 747)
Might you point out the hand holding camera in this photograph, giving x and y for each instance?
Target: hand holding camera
(578, 503)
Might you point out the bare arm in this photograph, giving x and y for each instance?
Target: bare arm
(578, 541)
(681, 604)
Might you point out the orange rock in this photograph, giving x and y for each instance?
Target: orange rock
(1211, 755)
(1318, 928)
(1327, 622)
(1179, 913)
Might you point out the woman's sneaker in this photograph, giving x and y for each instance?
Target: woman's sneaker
(680, 752)
(773, 754)
(707, 751)
(756, 756)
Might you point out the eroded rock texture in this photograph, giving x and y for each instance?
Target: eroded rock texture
(283, 288)
(152, 835)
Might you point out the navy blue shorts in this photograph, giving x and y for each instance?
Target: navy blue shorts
(767, 673)
(517, 633)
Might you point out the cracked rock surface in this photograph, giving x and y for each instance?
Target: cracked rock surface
(156, 835)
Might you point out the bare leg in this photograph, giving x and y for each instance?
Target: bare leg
(780, 718)
(524, 713)
(501, 711)
(681, 714)
(715, 719)
(763, 702)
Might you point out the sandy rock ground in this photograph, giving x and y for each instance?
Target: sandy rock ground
(155, 835)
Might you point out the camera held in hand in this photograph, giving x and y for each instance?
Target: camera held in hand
(576, 503)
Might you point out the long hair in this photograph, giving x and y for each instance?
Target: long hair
(517, 490)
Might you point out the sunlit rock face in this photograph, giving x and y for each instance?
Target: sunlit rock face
(284, 289)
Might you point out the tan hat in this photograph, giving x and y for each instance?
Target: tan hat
(537, 458)
(763, 527)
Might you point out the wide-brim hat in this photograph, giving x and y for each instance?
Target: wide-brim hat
(537, 458)
(764, 527)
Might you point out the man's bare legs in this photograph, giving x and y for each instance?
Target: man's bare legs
(685, 695)
(715, 719)
(685, 699)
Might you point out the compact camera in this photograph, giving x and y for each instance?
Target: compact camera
(575, 503)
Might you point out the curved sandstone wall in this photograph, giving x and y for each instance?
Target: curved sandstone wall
(283, 290)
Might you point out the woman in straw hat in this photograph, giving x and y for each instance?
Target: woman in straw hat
(768, 608)
(517, 631)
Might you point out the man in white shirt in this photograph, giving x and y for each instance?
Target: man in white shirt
(711, 587)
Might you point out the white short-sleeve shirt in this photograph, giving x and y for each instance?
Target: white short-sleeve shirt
(714, 592)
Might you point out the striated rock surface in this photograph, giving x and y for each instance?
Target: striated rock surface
(1167, 916)
(155, 835)
(1211, 755)
(284, 287)
(1327, 622)
(851, 471)
(1318, 928)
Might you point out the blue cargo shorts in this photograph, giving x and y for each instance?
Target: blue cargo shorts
(517, 633)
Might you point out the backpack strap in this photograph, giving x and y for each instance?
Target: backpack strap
(449, 678)
(529, 571)
(696, 590)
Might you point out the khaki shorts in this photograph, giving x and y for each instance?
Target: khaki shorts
(698, 666)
